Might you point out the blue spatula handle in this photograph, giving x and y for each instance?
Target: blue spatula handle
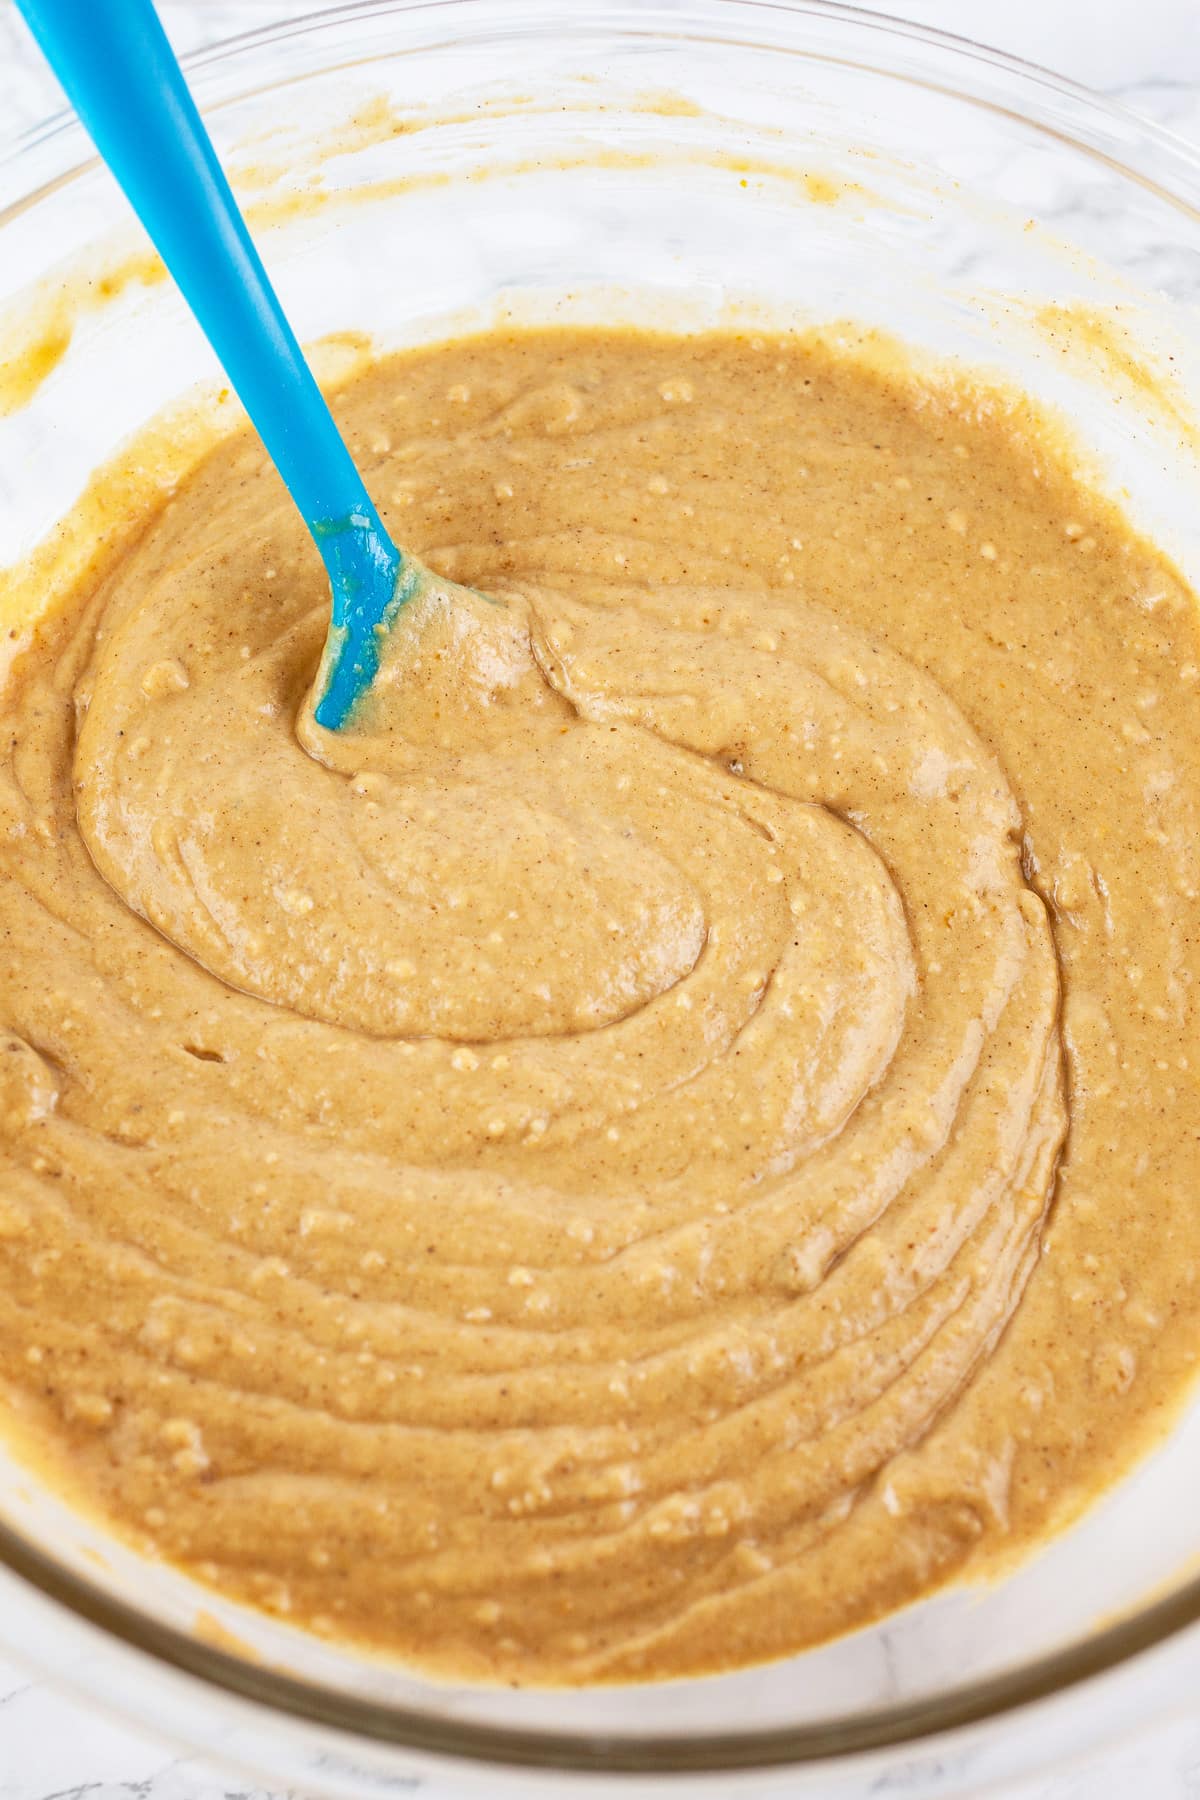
(121, 76)
(120, 73)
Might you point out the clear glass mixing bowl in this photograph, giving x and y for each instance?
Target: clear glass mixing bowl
(412, 168)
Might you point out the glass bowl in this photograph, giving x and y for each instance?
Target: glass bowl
(412, 169)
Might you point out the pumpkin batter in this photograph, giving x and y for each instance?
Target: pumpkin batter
(678, 1131)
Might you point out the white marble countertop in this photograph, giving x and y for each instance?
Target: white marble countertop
(1147, 52)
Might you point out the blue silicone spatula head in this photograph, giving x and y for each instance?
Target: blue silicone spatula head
(120, 74)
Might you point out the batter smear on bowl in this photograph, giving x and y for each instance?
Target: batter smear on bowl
(677, 1131)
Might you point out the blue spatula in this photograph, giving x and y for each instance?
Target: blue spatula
(120, 74)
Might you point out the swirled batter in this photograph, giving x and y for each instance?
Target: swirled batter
(678, 1131)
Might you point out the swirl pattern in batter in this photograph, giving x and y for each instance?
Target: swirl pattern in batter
(541, 1181)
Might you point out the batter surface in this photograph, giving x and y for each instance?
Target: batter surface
(677, 1132)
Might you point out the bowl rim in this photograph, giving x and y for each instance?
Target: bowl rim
(1132, 146)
